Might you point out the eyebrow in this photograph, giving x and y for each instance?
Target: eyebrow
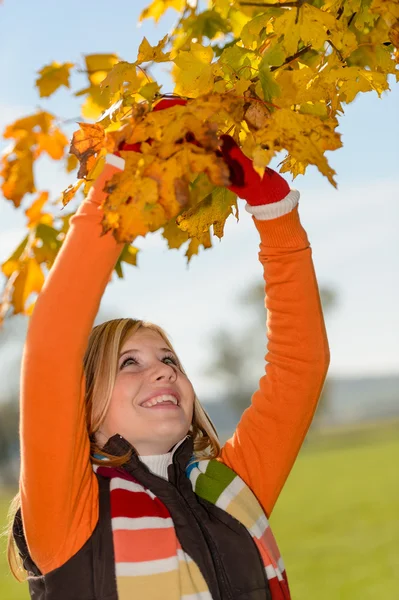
(137, 350)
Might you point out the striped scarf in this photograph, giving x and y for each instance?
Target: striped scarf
(149, 560)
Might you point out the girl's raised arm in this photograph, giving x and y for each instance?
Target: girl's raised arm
(59, 495)
(271, 431)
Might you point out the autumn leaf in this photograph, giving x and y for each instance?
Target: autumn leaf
(196, 243)
(12, 263)
(152, 53)
(52, 77)
(150, 90)
(129, 256)
(54, 143)
(70, 192)
(71, 163)
(158, 7)
(21, 127)
(131, 208)
(34, 212)
(277, 79)
(122, 72)
(193, 75)
(213, 210)
(30, 279)
(47, 244)
(86, 143)
(174, 235)
(17, 174)
(97, 100)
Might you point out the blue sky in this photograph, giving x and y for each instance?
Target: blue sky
(353, 230)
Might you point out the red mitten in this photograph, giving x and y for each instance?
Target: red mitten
(246, 182)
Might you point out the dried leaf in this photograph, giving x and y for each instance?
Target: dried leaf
(86, 143)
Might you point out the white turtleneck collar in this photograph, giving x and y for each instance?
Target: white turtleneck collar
(158, 463)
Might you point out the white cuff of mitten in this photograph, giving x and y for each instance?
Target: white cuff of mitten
(265, 212)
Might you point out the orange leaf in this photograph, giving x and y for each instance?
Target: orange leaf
(20, 127)
(53, 143)
(18, 177)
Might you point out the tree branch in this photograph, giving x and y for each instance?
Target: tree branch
(341, 58)
(296, 4)
(293, 57)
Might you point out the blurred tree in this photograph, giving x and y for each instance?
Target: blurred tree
(239, 356)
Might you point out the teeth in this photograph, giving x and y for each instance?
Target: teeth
(159, 399)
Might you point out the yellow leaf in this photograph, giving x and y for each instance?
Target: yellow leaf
(90, 109)
(152, 53)
(52, 77)
(150, 90)
(174, 235)
(72, 163)
(30, 279)
(195, 243)
(158, 7)
(46, 245)
(12, 263)
(70, 192)
(122, 72)
(388, 9)
(98, 66)
(193, 73)
(241, 86)
(34, 212)
(311, 28)
(131, 208)
(213, 210)
(201, 53)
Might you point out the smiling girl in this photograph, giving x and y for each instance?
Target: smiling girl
(125, 492)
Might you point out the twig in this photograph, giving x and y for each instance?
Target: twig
(341, 58)
(141, 69)
(293, 57)
(273, 4)
(351, 19)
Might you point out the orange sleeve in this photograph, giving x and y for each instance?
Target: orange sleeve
(59, 491)
(270, 433)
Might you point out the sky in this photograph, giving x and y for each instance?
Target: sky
(353, 230)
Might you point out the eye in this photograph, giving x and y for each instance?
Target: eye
(127, 360)
(172, 358)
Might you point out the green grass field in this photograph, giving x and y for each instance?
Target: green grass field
(336, 522)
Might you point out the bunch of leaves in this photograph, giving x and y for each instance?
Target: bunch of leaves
(275, 76)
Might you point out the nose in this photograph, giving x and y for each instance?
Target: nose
(164, 371)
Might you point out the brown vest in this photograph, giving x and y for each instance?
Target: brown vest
(221, 546)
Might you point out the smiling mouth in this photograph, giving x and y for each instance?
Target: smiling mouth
(162, 401)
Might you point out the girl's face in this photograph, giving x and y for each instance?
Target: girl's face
(146, 370)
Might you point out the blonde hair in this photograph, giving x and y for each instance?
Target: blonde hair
(101, 367)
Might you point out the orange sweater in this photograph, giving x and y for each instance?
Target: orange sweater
(59, 491)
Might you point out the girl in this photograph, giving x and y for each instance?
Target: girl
(125, 493)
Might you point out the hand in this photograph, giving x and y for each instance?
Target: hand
(245, 181)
